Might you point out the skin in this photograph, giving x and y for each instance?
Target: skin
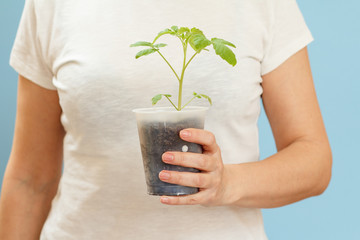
(300, 169)
(34, 167)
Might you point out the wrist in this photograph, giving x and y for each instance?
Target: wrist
(232, 185)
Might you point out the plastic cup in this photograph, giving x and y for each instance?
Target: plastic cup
(158, 133)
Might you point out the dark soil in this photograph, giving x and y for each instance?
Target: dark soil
(157, 138)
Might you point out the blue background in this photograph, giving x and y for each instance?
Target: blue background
(334, 57)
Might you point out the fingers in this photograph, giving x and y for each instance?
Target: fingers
(198, 180)
(202, 197)
(193, 199)
(200, 136)
(194, 160)
(209, 180)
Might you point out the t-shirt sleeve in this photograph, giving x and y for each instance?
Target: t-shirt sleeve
(27, 57)
(288, 34)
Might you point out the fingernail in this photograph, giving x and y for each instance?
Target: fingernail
(164, 199)
(185, 133)
(164, 175)
(168, 157)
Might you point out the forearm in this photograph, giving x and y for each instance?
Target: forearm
(296, 172)
(24, 208)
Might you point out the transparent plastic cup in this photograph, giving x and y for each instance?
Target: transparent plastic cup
(158, 133)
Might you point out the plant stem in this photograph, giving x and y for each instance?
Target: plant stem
(182, 77)
(169, 65)
(188, 102)
(190, 59)
(172, 103)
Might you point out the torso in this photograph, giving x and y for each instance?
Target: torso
(99, 81)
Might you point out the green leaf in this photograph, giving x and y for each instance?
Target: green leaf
(222, 41)
(196, 95)
(196, 30)
(223, 51)
(158, 97)
(175, 28)
(159, 45)
(145, 52)
(141, 43)
(163, 32)
(183, 33)
(198, 41)
(206, 97)
(183, 30)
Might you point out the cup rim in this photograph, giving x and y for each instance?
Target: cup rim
(170, 110)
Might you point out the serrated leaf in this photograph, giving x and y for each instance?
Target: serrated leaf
(222, 41)
(196, 30)
(159, 45)
(198, 41)
(145, 52)
(141, 43)
(224, 52)
(206, 97)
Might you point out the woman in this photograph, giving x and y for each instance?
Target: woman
(78, 82)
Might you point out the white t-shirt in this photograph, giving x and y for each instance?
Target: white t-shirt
(80, 48)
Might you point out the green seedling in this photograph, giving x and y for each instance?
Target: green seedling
(198, 42)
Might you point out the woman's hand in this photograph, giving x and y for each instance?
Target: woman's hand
(300, 169)
(211, 179)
